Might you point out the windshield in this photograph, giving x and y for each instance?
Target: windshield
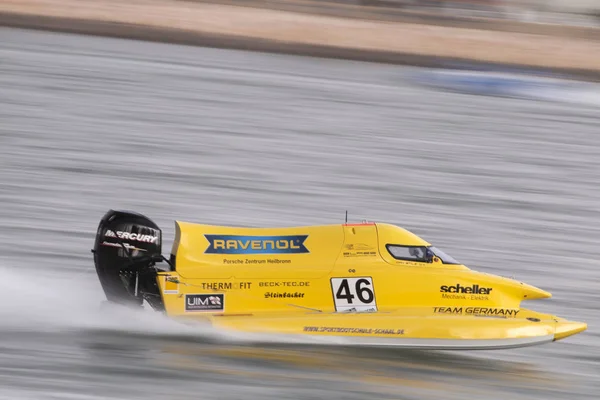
(419, 253)
(446, 259)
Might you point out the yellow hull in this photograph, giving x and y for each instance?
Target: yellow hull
(408, 331)
(361, 284)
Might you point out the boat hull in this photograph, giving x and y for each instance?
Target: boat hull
(396, 330)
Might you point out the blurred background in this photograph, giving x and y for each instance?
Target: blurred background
(567, 12)
(498, 164)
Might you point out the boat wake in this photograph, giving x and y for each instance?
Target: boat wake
(60, 301)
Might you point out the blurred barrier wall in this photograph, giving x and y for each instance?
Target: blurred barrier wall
(568, 12)
(561, 12)
(572, 6)
(575, 6)
(342, 31)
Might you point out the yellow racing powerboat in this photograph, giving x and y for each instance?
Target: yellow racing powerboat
(368, 284)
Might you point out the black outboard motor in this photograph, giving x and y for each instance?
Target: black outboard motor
(127, 247)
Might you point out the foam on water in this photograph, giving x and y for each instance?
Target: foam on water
(59, 303)
(42, 302)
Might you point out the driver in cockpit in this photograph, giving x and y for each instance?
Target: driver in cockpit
(417, 253)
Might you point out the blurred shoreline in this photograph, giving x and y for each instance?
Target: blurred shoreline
(326, 29)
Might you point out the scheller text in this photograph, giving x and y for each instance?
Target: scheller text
(132, 236)
(234, 244)
(498, 312)
(475, 289)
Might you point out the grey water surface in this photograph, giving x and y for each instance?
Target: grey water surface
(507, 186)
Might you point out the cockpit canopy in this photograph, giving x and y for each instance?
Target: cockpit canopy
(424, 254)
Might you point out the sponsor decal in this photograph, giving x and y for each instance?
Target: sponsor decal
(356, 310)
(358, 246)
(283, 284)
(138, 237)
(464, 296)
(285, 295)
(224, 285)
(241, 244)
(171, 285)
(458, 288)
(126, 245)
(360, 254)
(407, 262)
(249, 261)
(363, 331)
(353, 294)
(204, 302)
(359, 250)
(477, 311)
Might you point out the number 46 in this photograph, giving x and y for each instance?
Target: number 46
(347, 289)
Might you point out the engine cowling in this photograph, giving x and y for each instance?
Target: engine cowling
(127, 246)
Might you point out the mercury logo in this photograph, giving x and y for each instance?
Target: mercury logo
(138, 237)
(475, 289)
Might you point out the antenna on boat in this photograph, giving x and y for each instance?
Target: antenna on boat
(346, 216)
